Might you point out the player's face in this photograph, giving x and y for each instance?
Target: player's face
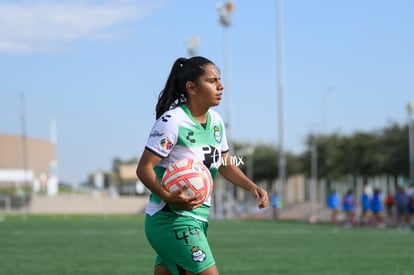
(209, 90)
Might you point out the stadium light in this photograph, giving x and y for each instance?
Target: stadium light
(410, 110)
(192, 45)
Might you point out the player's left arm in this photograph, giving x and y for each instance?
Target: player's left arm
(233, 174)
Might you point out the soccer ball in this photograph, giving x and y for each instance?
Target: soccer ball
(188, 172)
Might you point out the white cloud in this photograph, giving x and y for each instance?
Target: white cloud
(44, 25)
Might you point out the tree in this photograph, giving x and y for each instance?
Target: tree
(395, 147)
(365, 154)
(266, 162)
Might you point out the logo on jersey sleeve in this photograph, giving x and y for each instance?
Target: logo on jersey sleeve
(156, 134)
(166, 144)
(217, 133)
(198, 254)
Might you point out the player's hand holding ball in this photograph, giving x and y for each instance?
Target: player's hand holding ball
(189, 183)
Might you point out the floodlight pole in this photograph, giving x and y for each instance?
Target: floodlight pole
(24, 151)
(282, 159)
(224, 12)
(314, 177)
(325, 95)
(410, 110)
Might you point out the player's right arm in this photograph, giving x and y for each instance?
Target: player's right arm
(145, 172)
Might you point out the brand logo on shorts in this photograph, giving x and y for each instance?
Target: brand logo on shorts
(198, 254)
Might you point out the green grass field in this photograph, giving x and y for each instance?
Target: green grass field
(116, 245)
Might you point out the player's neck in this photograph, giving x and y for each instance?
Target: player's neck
(198, 113)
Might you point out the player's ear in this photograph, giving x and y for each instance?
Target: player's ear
(190, 87)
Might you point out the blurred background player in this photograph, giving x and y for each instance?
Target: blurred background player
(348, 205)
(377, 207)
(401, 208)
(276, 204)
(333, 205)
(389, 205)
(366, 215)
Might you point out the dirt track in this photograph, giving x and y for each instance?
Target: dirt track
(101, 203)
(87, 204)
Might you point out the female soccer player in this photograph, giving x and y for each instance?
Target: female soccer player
(186, 127)
(333, 204)
(348, 205)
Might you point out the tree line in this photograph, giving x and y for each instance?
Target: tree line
(361, 154)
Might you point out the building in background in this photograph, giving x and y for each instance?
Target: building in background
(28, 164)
(128, 183)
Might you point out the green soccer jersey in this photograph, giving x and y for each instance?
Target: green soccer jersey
(177, 135)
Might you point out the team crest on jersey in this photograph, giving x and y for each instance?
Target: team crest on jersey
(166, 144)
(217, 133)
(198, 254)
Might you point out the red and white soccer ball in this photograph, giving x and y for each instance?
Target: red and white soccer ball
(188, 172)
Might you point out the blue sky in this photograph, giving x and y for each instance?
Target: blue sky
(96, 67)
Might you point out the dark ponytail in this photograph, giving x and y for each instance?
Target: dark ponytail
(174, 92)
